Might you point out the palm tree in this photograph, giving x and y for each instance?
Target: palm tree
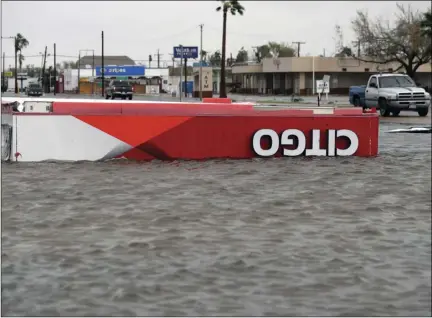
(20, 43)
(233, 7)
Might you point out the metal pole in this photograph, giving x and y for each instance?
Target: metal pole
(55, 71)
(201, 61)
(3, 78)
(40, 73)
(103, 67)
(79, 67)
(313, 75)
(185, 76)
(181, 71)
(93, 73)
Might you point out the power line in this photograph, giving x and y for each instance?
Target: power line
(242, 34)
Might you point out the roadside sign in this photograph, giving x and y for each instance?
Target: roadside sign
(189, 52)
(322, 87)
(126, 70)
(22, 74)
(204, 64)
(8, 74)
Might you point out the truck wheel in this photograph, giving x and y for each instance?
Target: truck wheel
(384, 111)
(395, 113)
(113, 97)
(423, 112)
(356, 101)
(106, 96)
(130, 97)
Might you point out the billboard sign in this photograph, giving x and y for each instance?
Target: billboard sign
(189, 52)
(125, 70)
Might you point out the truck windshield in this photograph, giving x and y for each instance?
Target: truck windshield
(396, 81)
(34, 86)
(120, 83)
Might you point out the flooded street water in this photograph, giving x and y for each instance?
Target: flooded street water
(292, 236)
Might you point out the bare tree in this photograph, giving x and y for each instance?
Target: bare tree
(402, 43)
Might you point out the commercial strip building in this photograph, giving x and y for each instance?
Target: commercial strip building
(296, 75)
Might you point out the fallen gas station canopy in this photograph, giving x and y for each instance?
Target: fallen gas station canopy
(92, 130)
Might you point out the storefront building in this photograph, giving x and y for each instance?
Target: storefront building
(298, 74)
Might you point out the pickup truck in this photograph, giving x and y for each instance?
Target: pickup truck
(391, 93)
(120, 89)
(34, 90)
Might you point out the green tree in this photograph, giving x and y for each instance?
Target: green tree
(204, 55)
(20, 43)
(262, 52)
(233, 7)
(242, 56)
(273, 49)
(426, 24)
(344, 52)
(402, 42)
(215, 59)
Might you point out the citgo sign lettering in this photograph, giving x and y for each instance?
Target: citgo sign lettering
(288, 137)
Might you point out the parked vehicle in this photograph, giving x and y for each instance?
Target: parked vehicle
(34, 89)
(391, 93)
(120, 89)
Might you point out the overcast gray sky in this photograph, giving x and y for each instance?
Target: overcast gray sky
(137, 29)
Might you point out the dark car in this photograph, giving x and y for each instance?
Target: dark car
(121, 89)
(34, 90)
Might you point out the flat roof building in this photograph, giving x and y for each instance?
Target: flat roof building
(288, 75)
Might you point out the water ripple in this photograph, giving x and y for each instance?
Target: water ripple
(292, 237)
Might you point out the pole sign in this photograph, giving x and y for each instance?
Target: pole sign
(129, 70)
(189, 52)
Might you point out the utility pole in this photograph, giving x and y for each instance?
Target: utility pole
(16, 65)
(93, 68)
(43, 69)
(357, 43)
(12, 38)
(3, 70)
(181, 71)
(79, 68)
(150, 60)
(158, 55)
(185, 70)
(298, 47)
(173, 61)
(201, 61)
(55, 71)
(103, 66)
